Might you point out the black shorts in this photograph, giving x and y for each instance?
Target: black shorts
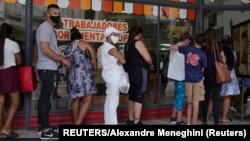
(138, 78)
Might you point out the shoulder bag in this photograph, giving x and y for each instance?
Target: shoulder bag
(27, 78)
(222, 71)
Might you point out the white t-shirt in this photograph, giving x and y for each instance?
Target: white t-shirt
(111, 71)
(176, 68)
(10, 49)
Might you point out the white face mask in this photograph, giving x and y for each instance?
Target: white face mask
(114, 39)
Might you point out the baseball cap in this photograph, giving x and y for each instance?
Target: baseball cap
(110, 30)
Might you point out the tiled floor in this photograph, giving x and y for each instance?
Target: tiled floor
(31, 135)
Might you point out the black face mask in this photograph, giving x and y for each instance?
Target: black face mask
(55, 19)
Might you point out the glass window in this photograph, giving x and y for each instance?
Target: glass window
(91, 21)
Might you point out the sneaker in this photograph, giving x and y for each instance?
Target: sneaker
(139, 123)
(204, 123)
(181, 123)
(129, 122)
(173, 120)
(49, 135)
(39, 130)
(233, 109)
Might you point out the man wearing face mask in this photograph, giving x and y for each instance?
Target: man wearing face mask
(47, 64)
(112, 71)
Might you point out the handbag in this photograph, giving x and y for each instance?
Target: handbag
(27, 78)
(222, 71)
(124, 85)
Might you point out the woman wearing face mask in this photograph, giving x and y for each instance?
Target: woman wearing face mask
(112, 71)
(138, 72)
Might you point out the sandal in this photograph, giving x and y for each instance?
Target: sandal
(226, 120)
(11, 135)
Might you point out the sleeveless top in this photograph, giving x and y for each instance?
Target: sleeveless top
(134, 58)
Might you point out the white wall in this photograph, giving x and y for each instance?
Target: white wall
(224, 17)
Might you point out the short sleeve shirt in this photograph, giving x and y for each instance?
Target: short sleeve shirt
(195, 60)
(111, 70)
(45, 32)
(10, 49)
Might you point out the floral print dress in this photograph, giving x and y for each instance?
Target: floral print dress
(80, 75)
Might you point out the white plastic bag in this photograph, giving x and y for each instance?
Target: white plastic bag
(170, 88)
(124, 85)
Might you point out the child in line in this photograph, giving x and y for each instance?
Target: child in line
(195, 62)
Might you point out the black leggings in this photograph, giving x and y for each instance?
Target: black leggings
(212, 89)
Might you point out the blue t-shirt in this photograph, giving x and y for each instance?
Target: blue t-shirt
(195, 60)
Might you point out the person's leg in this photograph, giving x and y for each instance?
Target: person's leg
(216, 105)
(195, 112)
(225, 108)
(210, 107)
(174, 110)
(137, 112)
(75, 104)
(174, 113)
(141, 88)
(2, 100)
(179, 102)
(86, 101)
(189, 113)
(189, 95)
(111, 103)
(204, 103)
(130, 110)
(15, 98)
(48, 81)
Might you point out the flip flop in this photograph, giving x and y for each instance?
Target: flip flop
(11, 135)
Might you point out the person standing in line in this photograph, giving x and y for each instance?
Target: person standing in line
(111, 61)
(176, 72)
(138, 72)
(47, 65)
(80, 75)
(212, 88)
(231, 88)
(10, 58)
(195, 62)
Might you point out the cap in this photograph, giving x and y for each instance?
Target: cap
(110, 30)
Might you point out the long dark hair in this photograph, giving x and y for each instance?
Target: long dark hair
(6, 32)
(210, 37)
(132, 33)
(228, 51)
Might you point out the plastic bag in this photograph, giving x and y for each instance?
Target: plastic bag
(170, 88)
(124, 85)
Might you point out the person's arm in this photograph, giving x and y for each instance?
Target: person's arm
(176, 46)
(50, 53)
(144, 53)
(18, 57)
(92, 55)
(120, 58)
(34, 56)
(223, 57)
